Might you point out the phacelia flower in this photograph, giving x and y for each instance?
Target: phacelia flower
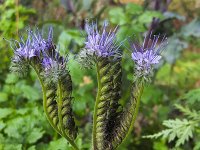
(32, 50)
(147, 55)
(34, 46)
(101, 43)
(25, 49)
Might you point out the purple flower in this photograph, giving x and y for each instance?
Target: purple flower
(25, 49)
(34, 46)
(147, 55)
(101, 43)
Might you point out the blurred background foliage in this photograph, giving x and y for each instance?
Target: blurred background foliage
(170, 104)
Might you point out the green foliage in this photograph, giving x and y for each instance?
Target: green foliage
(70, 39)
(180, 130)
(133, 19)
(13, 18)
(8, 22)
(193, 96)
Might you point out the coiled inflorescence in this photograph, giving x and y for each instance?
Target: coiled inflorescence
(102, 48)
(51, 68)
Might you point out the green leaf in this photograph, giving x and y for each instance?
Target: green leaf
(11, 78)
(60, 144)
(172, 15)
(117, 16)
(32, 148)
(178, 129)
(76, 72)
(13, 147)
(147, 16)
(3, 96)
(133, 9)
(4, 112)
(13, 127)
(2, 125)
(186, 111)
(160, 145)
(174, 49)
(68, 36)
(34, 135)
(192, 29)
(193, 96)
(30, 93)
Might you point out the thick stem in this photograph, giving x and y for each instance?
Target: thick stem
(95, 108)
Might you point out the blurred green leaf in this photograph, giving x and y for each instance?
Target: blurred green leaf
(68, 36)
(117, 16)
(191, 29)
(193, 96)
(4, 112)
(13, 147)
(159, 145)
(3, 96)
(60, 144)
(30, 92)
(133, 9)
(148, 16)
(2, 125)
(11, 78)
(174, 49)
(172, 15)
(32, 148)
(34, 135)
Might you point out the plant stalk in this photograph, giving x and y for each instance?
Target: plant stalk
(95, 108)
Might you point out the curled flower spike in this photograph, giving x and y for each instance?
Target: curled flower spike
(101, 43)
(147, 55)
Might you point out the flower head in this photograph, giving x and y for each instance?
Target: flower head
(101, 43)
(34, 46)
(147, 55)
(31, 51)
(25, 49)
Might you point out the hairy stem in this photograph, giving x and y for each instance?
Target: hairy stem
(95, 108)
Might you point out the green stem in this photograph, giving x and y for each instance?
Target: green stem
(95, 108)
(45, 99)
(45, 109)
(60, 116)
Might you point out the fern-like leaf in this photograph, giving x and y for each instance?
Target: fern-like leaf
(180, 129)
(193, 114)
